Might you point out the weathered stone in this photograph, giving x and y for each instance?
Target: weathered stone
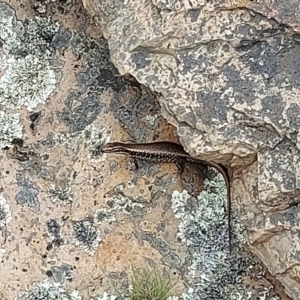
(74, 219)
(228, 73)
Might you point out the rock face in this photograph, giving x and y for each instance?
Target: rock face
(229, 77)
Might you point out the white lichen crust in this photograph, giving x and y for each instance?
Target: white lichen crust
(25, 60)
(106, 296)
(91, 137)
(60, 192)
(2, 252)
(104, 215)
(84, 234)
(123, 204)
(46, 290)
(27, 81)
(204, 229)
(5, 213)
(10, 128)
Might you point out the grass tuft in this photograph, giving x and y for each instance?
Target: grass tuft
(150, 284)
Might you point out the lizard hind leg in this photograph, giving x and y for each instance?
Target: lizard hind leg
(180, 167)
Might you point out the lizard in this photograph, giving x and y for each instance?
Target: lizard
(169, 152)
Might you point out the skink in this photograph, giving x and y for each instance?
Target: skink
(168, 152)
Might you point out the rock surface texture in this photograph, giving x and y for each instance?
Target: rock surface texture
(228, 74)
(74, 221)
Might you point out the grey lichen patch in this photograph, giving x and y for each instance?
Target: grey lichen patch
(203, 228)
(41, 8)
(276, 170)
(94, 139)
(82, 106)
(10, 128)
(91, 137)
(61, 191)
(129, 114)
(86, 235)
(123, 204)
(209, 212)
(81, 110)
(62, 38)
(29, 77)
(10, 28)
(265, 294)
(28, 194)
(170, 258)
(5, 213)
(62, 273)
(47, 290)
(38, 36)
(104, 215)
(99, 73)
(107, 296)
(2, 252)
(27, 81)
(293, 113)
(53, 228)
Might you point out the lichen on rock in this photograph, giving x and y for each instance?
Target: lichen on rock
(203, 227)
(10, 128)
(5, 212)
(87, 236)
(46, 290)
(228, 77)
(29, 75)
